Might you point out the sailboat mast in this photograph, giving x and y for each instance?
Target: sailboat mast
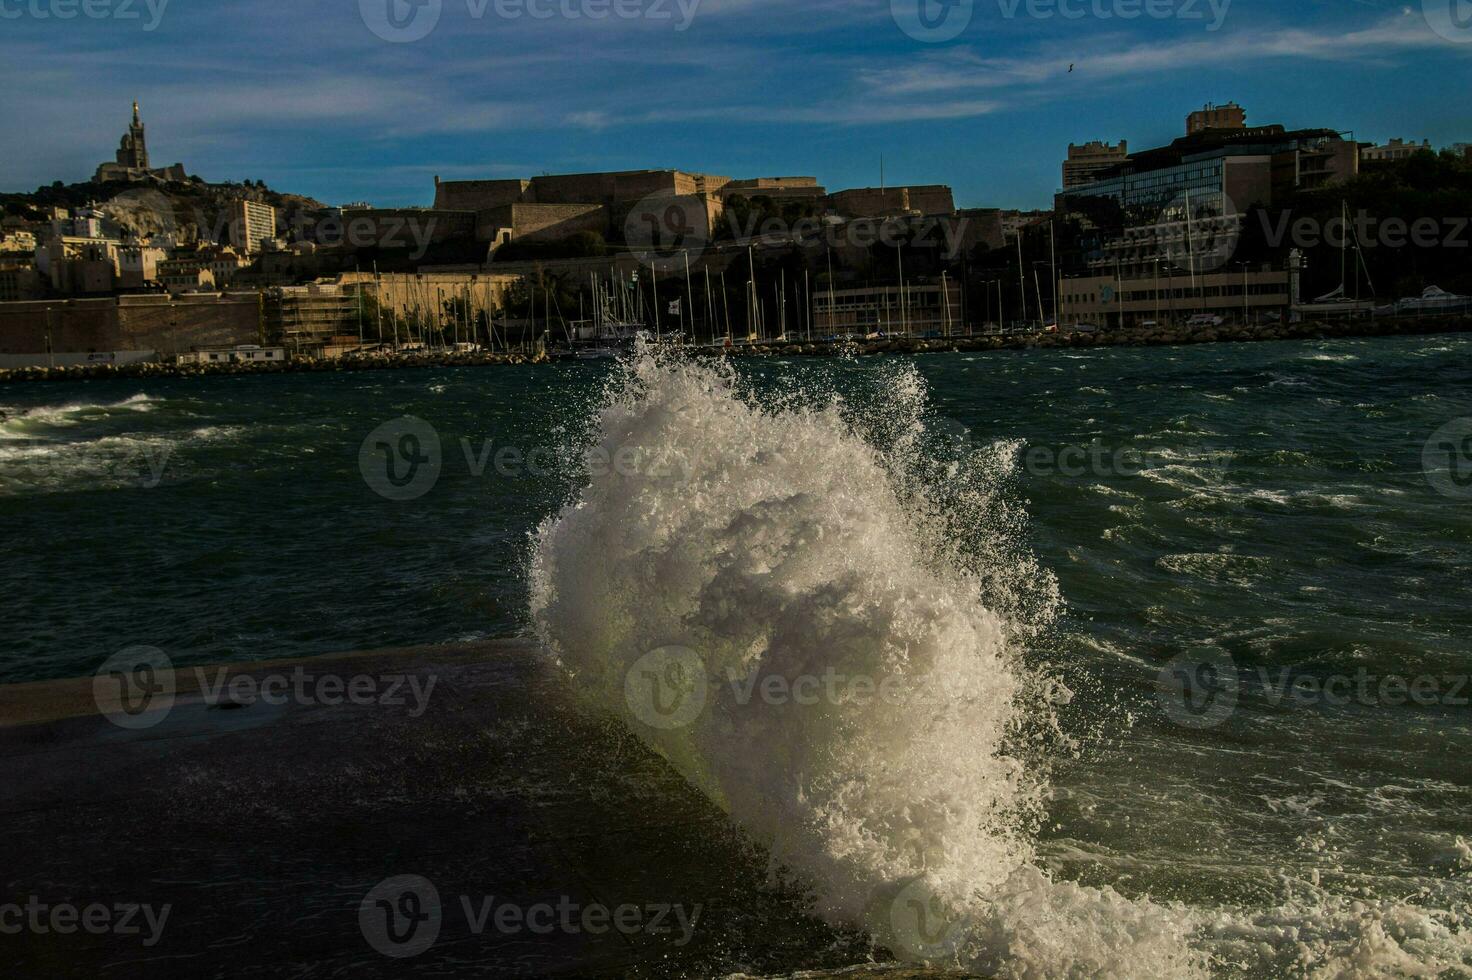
(1021, 282)
(1053, 258)
(654, 273)
(807, 306)
(726, 304)
(710, 308)
(689, 298)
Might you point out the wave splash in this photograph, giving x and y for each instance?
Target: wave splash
(815, 613)
(18, 422)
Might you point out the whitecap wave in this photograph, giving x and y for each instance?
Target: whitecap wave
(779, 536)
(18, 422)
(765, 543)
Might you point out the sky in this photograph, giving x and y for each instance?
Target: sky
(368, 100)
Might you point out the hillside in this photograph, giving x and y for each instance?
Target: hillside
(188, 209)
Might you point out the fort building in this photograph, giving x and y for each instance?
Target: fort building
(777, 188)
(68, 330)
(879, 202)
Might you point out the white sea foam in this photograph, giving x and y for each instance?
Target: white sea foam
(779, 542)
(19, 423)
(788, 535)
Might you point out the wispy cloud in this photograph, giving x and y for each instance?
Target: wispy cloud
(1113, 58)
(308, 90)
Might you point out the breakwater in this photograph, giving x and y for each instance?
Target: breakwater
(1130, 337)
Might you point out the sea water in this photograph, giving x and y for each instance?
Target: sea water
(1030, 545)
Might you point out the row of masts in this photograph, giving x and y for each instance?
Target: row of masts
(465, 314)
(614, 308)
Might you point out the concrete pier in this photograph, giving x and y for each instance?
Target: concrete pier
(263, 804)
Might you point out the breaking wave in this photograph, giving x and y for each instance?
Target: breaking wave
(752, 543)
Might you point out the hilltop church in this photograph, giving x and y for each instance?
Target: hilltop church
(132, 159)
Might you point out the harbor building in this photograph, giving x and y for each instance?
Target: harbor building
(239, 354)
(916, 309)
(305, 318)
(416, 297)
(1109, 301)
(1175, 204)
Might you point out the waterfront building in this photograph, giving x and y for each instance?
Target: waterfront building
(1171, 297)
(916, 309)
(303, 318)
(239, 354)
(414, 297)
(1164, 203)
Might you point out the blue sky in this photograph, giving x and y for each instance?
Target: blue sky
(304, 94)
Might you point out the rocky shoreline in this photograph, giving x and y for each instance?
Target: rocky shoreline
(1135, 337)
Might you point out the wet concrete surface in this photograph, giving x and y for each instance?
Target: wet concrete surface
(311, 838)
